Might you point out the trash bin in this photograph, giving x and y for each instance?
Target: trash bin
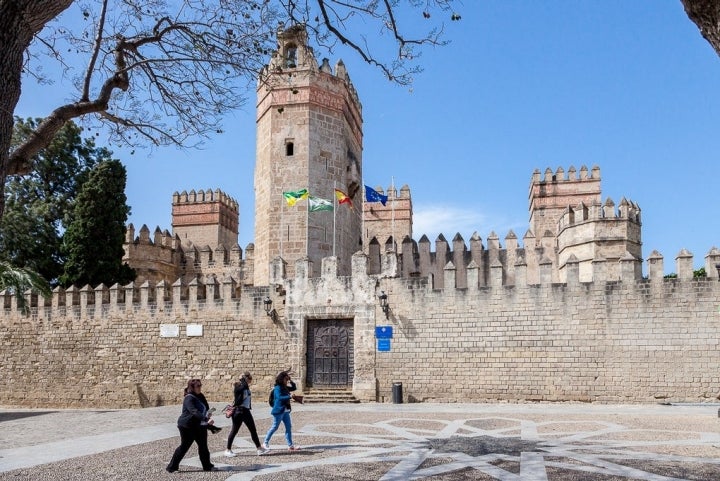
(397, 392)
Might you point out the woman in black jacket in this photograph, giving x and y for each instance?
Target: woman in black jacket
(193, 426)
(242, 414)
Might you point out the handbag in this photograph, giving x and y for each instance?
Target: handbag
(228, 410)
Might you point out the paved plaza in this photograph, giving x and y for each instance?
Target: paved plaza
(439, 442)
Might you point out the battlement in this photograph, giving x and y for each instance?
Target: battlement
(394, 219)
(550, 195)
(205, 218)
(159, 300)
(160, 238)
(201, 197)
(526, 264)
(627, 210)
(392, 193)
(294, 55)
(486, 269)
(165, 258)
(572, 175)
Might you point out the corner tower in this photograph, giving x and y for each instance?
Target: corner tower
(392, 220)
(309, 136)
(205, 218)
(552, 194)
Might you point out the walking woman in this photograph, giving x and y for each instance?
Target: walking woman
(193, 426)
(281, 409)
(242, 414)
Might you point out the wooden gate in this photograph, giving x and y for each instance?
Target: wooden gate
(330, 353)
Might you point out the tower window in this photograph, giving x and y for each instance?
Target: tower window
(291, 57)
(289, 149)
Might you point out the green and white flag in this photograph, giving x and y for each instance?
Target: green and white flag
(317, 204)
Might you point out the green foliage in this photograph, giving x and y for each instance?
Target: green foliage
(95, 234)
(696, 273)
(17, 280)
(37, 204)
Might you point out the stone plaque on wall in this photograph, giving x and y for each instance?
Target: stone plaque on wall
(169, 330)
(194, 330)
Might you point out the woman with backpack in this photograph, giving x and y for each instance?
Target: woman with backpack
(281, 409)
(242, 414)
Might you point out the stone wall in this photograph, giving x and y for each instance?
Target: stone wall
(631, 341)
(620, 340)
(113, 355)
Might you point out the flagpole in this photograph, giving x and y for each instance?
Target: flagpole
(362, 215)
(335, 204)
(392, 209)
(280, 228)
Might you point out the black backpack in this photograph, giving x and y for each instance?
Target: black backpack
(271, 398)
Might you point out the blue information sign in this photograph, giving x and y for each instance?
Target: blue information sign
(383, 332)
(383, 345)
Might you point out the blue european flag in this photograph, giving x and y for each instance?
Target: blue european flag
(372, 195)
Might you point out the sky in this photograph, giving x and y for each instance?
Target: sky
(631, 87)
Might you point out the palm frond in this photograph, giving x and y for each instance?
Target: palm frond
(17, 280)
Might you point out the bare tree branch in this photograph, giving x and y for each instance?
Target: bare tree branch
(95, 52)
(166, 71)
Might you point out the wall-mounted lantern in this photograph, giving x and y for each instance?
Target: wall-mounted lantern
(384, 304)
(272, 313)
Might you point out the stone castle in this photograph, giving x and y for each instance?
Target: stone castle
(354, 304)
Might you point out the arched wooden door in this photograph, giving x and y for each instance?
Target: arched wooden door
(330, 353)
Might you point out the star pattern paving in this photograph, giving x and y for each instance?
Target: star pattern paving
(492, 448)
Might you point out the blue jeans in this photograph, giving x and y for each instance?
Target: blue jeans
(285, 419)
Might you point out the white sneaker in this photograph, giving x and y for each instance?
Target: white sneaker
(229, 453)
(293, 448)
(266, 446)
(263, 450)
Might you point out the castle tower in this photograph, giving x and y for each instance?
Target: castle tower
(394, 219)
(569, 220)
(205, 218)
(601, 234)
(551, 194)
(309, 136)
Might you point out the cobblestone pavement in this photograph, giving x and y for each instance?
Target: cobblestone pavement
(439, 442)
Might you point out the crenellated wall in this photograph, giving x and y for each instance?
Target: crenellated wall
(205, 218)
(417, 259)
(625, 339)
(165, 258)
(155, 259)
(108, 347)
(610, 341)
(599, 231)
(394, 219)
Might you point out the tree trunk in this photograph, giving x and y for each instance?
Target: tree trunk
(706, 15)
(19, 22)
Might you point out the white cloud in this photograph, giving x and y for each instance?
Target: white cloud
(448, 220)
(435, 219)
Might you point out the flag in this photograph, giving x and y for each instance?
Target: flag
(317, 204)
(372, 195)
(342, 197)
(292, 197)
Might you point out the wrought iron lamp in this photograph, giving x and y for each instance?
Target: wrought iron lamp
(267, 302)
(384, 304)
